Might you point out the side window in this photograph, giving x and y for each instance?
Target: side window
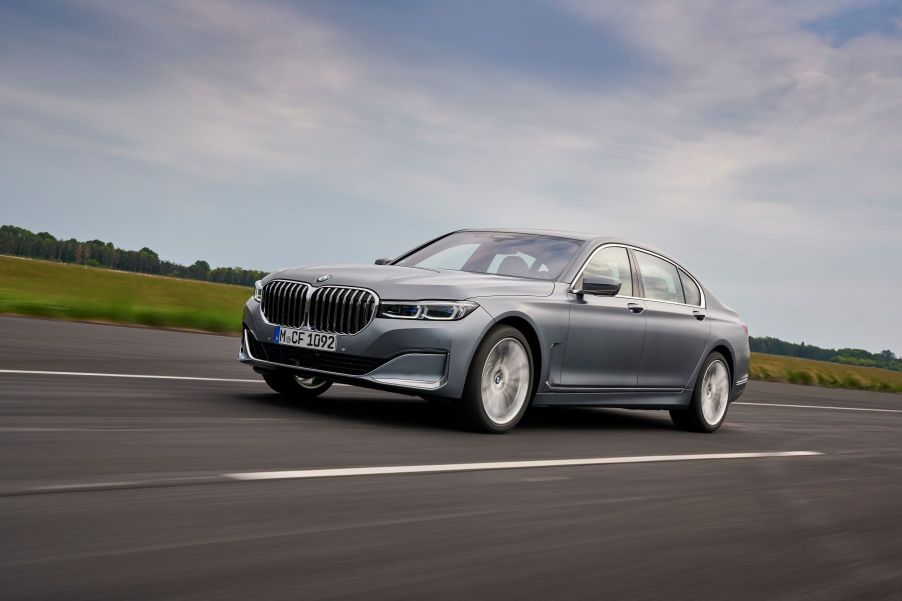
(690, 288)
(612, 262)
(659, 278)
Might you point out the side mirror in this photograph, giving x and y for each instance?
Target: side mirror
(599, 285)
(383, 261)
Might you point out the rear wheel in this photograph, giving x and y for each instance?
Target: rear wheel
(296, 387)
(710, 399)
(500, 383)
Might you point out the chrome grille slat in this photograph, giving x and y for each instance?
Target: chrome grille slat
(359, 309)
(336, 317)
(352, 314)
(327, 300)
(340, 321)
(296, 306)
(302, 306)
(343, 320)
(327, 309)
(289, 304)
(277, 297)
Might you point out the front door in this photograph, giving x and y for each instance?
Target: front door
(606, 335)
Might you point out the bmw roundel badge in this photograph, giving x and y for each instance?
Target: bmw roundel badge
(323, 278)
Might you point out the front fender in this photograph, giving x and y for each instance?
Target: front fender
(549, 320)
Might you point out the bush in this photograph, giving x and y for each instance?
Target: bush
(852, 382)
(800, 377)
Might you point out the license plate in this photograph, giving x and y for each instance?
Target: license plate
(304, 339)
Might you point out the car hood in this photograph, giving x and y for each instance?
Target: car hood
(413, 283)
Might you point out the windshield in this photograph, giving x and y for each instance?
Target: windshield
(517, 255)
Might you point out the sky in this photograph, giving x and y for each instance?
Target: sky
(757, 142)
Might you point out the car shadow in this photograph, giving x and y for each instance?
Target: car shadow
(594, 418)
(412, 412)
(395, 410)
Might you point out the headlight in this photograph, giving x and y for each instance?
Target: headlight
(432, 310)
(258, 290)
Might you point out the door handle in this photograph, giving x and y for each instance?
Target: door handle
(699, 315)
(635, 308)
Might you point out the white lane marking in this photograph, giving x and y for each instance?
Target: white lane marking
(203, 379)
(819, 407)
(139, 376)
(501, 465)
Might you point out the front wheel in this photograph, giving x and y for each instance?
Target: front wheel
(500, 383)
(296, 387)
(710, 399)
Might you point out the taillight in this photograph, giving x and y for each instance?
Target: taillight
(745, 329)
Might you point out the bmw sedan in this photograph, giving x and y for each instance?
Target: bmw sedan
(496, 321)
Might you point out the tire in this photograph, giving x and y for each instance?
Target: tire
(500, 384)
(710, 398)
(295, 387)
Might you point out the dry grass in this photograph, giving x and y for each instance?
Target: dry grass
(794, 370)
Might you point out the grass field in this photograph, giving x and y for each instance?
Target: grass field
(47, 289)
(794, 370)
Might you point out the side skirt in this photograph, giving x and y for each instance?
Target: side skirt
(634, 399)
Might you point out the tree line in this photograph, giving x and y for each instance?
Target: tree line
(97, 253)
(849, 356)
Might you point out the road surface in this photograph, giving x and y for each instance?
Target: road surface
(159, 488)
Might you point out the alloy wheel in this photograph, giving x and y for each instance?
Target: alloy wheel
(505, 381)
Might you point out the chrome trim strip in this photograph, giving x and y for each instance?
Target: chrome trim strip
(563, 388)
(417, 384)
(742, 381)
(572, 290)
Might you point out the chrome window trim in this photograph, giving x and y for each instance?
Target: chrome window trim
(572, 287)
(309, 293)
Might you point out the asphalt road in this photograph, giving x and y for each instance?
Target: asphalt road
(119, 488)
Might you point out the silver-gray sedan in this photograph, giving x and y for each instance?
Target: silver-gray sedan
(496, 321)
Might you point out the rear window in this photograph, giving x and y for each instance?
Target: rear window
(690, 289)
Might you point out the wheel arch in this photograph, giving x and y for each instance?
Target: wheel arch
(724, 349)
(529, 331)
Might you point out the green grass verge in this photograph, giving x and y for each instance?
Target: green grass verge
(59, 290)
(794, 370)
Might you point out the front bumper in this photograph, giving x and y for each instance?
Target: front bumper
(409, 356)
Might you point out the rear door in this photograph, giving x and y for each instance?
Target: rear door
(676, 332)
(604, 344)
